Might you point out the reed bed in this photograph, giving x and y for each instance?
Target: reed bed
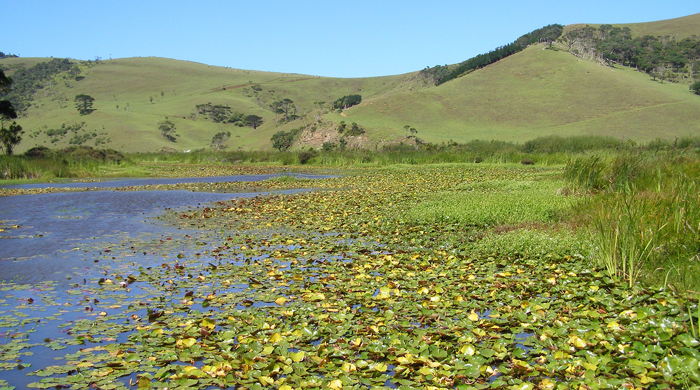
(643, 214)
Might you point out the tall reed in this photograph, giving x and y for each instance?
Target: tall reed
(626, 233)
(644, 215)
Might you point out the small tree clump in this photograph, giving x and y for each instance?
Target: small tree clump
(305, 156)
(167, 129)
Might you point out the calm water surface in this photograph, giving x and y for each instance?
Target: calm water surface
(65, 239)
(53, 229)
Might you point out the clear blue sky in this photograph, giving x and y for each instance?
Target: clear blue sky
(324, 38)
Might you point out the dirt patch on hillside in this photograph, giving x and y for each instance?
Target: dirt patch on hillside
(316, 138)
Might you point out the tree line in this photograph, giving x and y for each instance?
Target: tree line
(664, 57)
(26, 81)
(219, 113)
(442, 74)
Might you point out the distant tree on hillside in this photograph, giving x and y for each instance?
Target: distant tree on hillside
(347, 102)
(74, 73)
(695, 88)
(282, 140)
(217, 142)
(355, 130)
(288, 106)
(218, 113)
(5, 82)
(285, 107)
(12, 134)
(7, 112)
(83, 103)
(167, 129)
(253, 121)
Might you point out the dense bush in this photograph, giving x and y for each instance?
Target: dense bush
(347, 102)
(305, 156)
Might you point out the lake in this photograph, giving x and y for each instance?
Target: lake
(51, 244)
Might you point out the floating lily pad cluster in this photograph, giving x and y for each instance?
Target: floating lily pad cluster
(339, 288)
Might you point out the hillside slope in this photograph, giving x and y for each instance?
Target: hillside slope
(536, 92)
(133, 95)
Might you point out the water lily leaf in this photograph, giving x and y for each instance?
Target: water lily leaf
(314, 297)
(487, 352)
(266, 380)
(380, 367)
(335, 384)
(275, 338)
(521, 365)
(577, 341)
(144, 383)
(297, 356)
(186, 343)
(209, 324)
(348, 367)
(547, 384)
(468, 350)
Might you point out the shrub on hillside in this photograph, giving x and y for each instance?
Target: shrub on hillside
(305, 156)
(38, 152)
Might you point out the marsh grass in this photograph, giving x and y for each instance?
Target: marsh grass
(21, 168)
(288, 179)
(494, 202)
(644, 215)
(627, 234)
(532, 244)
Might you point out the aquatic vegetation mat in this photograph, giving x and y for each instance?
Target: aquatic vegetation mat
(337, 288)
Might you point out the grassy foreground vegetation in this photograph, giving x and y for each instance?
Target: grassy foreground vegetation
(645, 215)
(578, 270)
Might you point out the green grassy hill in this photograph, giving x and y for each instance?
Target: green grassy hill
(126, 118)
(534, 93)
